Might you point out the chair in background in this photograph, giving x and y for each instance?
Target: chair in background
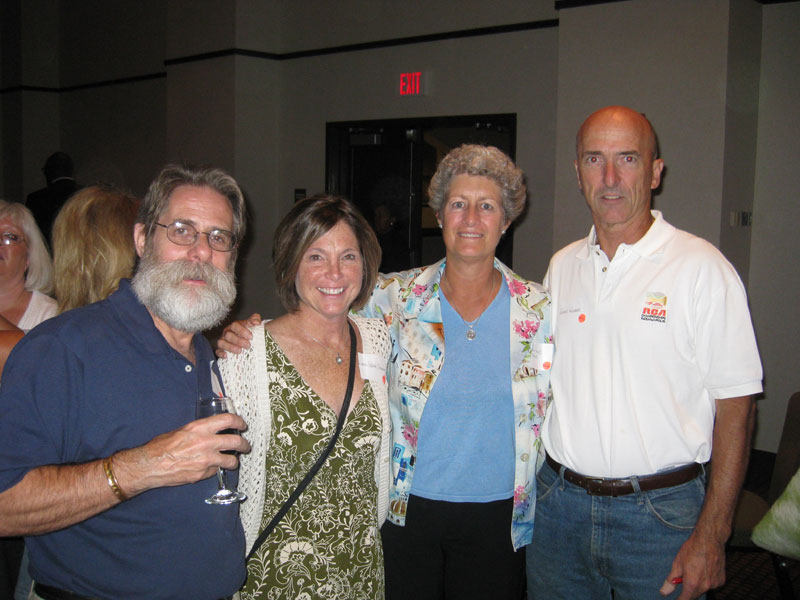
(752, 507)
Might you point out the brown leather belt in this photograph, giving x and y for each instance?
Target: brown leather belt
(601, 486)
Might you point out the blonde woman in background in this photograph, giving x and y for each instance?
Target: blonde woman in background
(93, 245)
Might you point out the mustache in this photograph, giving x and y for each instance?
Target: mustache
(614, 191)
(179, 270)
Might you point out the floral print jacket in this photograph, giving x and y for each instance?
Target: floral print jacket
(409, 304)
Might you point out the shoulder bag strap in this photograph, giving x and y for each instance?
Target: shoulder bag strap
(322, 457)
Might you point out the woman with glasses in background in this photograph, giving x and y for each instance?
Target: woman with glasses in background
(26, 271)
(26, 277)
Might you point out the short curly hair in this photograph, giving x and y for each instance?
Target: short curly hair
(484, 161)
(309, 220)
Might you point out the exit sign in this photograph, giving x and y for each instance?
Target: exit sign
(411, 84)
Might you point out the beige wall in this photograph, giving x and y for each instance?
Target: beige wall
(260, 160)
(28, 56)
(313, 24)
(115, 134)
(741, 129)
(362, 85)
(691, 66)
(774, 265)
(644, 54)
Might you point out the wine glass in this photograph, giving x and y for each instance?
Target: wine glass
(207, 407)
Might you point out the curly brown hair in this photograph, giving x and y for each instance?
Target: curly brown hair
(484, 161)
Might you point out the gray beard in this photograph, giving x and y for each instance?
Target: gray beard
(160, 287)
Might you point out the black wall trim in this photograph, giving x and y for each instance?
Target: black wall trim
(563, 4)
(97, 84)
(28, 88)
(220, 54)
(83, 86)
(417, 39)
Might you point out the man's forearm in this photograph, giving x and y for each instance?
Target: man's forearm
(733, 430)
(700, 562)
(56, 496)
(53, 497)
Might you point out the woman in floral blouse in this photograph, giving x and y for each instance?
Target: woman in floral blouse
(465, 430)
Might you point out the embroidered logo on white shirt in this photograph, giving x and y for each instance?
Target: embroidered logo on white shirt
(655, 307)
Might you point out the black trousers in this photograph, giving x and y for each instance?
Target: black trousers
(453, 551)
(10, 556)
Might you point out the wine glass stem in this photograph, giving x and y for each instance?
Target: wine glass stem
(221, 479)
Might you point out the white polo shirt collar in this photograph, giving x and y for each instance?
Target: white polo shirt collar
(651, 245)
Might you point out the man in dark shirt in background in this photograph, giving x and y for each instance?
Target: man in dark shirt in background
(46, 202)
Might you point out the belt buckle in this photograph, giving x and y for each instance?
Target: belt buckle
(594, 486)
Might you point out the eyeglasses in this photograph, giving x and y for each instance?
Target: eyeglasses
(184, 234)
(11, 239)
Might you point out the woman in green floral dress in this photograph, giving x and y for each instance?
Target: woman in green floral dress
(289, 387)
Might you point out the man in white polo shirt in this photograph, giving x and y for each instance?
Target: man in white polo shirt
(656, 365)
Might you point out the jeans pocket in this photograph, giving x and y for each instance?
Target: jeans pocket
(677, 507)
(546, 481)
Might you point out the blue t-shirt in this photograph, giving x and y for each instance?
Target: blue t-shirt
(82, 386)
(465, 449)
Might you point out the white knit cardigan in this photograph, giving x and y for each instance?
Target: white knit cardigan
(246, 378)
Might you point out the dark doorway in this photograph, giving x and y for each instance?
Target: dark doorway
(385, 168)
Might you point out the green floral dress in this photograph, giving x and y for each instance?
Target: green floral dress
(328, 545)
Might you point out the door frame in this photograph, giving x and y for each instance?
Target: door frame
(338, 170)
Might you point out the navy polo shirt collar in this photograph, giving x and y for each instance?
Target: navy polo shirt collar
(135, 317)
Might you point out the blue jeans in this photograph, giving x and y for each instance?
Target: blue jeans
(585, 546)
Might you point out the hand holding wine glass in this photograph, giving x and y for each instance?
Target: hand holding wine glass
(207, 407)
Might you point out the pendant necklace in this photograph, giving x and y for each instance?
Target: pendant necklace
(471, 333)
(338, 360)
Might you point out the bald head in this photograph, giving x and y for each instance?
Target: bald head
(617, 170)
(619, 117)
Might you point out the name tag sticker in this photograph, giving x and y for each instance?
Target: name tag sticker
(372, 367)
(543, 356)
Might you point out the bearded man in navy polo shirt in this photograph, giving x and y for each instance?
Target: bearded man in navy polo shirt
(103, 466)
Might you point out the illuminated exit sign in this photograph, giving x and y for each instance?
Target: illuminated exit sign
(411, 84)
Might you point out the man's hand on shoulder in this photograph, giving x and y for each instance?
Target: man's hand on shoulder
(236, 336)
